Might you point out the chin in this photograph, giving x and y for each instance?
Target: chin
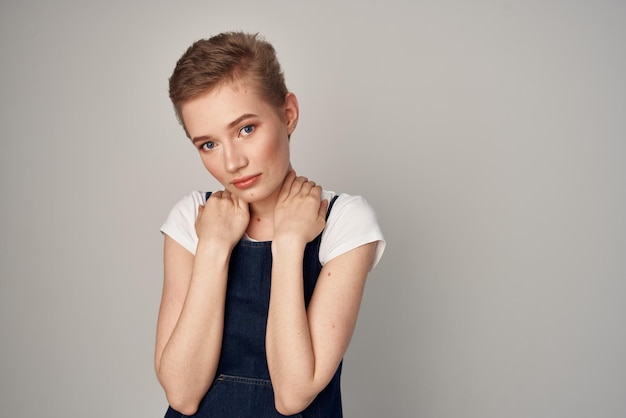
(253, 196)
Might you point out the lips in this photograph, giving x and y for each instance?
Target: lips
(245, 182)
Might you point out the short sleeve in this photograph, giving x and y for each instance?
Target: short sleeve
(180, 224)
(352, 222)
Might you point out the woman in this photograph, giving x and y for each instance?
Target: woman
(263, 279)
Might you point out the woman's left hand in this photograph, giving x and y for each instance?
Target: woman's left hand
(299, 213)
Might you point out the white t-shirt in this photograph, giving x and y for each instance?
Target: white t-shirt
(352, 222)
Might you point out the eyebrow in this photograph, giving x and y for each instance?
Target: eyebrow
(230, 126)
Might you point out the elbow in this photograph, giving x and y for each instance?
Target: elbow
(180, 401)
(181, 397)
(183, 406)
(288, 409)
(291, 404)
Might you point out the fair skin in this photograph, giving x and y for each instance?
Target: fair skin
(243, 142)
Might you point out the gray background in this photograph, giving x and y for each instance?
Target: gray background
(489, 135)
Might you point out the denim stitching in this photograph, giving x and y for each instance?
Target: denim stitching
(245, 380)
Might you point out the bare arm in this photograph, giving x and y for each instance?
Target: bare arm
(304, 348)
(191, 316)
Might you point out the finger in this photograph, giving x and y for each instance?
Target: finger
(286, 187)
(308, 186)
(242, 204)
(323, 209)
(317, 191)
(297, 185)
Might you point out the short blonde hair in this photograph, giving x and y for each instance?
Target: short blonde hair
(227, 57)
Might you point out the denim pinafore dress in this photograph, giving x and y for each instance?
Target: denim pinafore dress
(242, 387)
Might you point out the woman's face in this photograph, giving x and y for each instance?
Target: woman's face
(242, 140)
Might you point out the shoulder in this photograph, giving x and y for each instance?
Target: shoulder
(191, 199)
(187, 206)
(350, 210)
(352, 222)
(181, 220)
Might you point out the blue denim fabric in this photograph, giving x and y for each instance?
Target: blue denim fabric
(242, 386)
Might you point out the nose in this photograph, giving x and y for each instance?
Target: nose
(234, 158)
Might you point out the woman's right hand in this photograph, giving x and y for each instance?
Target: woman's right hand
(224, 218)
(191, 316)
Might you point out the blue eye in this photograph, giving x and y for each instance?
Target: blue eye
(208, 146)
(246, 130)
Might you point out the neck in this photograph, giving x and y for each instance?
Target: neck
(261, 226)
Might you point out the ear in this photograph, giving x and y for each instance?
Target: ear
(291, 111)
